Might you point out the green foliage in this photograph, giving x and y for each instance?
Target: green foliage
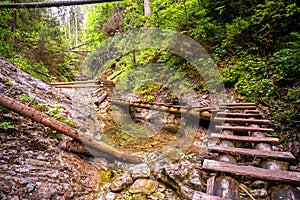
(34, 40)
(6, 47)
(7, 82)
(56, 111)
(273, 81)
(7, 126)
(38, 70)
(149, 98)
(97, 15)
(25, 97)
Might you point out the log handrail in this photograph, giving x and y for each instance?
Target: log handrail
(52, 4)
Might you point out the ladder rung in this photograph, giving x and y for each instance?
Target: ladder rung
(242, 120)
(253, 152)
(227, 114)
(237, 104)
(238, 107)
(244, 128)
(252, 111)
(255, 172)
(245, 138)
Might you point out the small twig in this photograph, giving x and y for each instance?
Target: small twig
(31, 101)
(7, 91)
(247, 192)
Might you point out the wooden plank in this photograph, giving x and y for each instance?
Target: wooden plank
(237, 104)
(203, 196)
(210, 185)
(245, 138)
(199, 112)
(244, 128)
(75, 82)
(76, 86)
(227, 114)
(242, 120)
(203, 109)
(255, 172)
(252, 111)
(253, 152)
(238, 107)
(101, 99)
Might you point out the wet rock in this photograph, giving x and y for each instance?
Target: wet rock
(139, 197)
(284, 192)
(227, 159)
(144, 186)
(186, 192)
(140, 171)
(274, 165)
(157, 196)
(226, 143)
(171, 195)
(227, 188)
(263, 146)
(121, 183)
(295, 168)
(183, 177)
(258, 184)
(257, 134)
(259, 193)
(227, 132)
(294, 147)
(194, 180)
(110, 196)
(161, 187)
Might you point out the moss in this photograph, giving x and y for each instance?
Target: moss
(7, 81)
(7, 125)
(25, 97)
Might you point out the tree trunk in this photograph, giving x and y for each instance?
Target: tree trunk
(52, 4)
(14, 26)
(147, 10)
(44, 119)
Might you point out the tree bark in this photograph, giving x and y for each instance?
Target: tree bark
(44, 119)
(147, 10)
(14, 27)
(52, 4)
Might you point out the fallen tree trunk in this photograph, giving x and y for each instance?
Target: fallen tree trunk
(44, 119)
(78, 148)
(52, 4)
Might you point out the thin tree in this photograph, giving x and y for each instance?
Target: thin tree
(147, 10)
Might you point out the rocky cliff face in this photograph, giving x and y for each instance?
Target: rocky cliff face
(31, 164)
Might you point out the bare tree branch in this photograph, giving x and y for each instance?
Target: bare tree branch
(52, 4)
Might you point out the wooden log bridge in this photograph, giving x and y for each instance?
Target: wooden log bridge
(96, 83)
(201, 112)
(87, 140)
(77, 84)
